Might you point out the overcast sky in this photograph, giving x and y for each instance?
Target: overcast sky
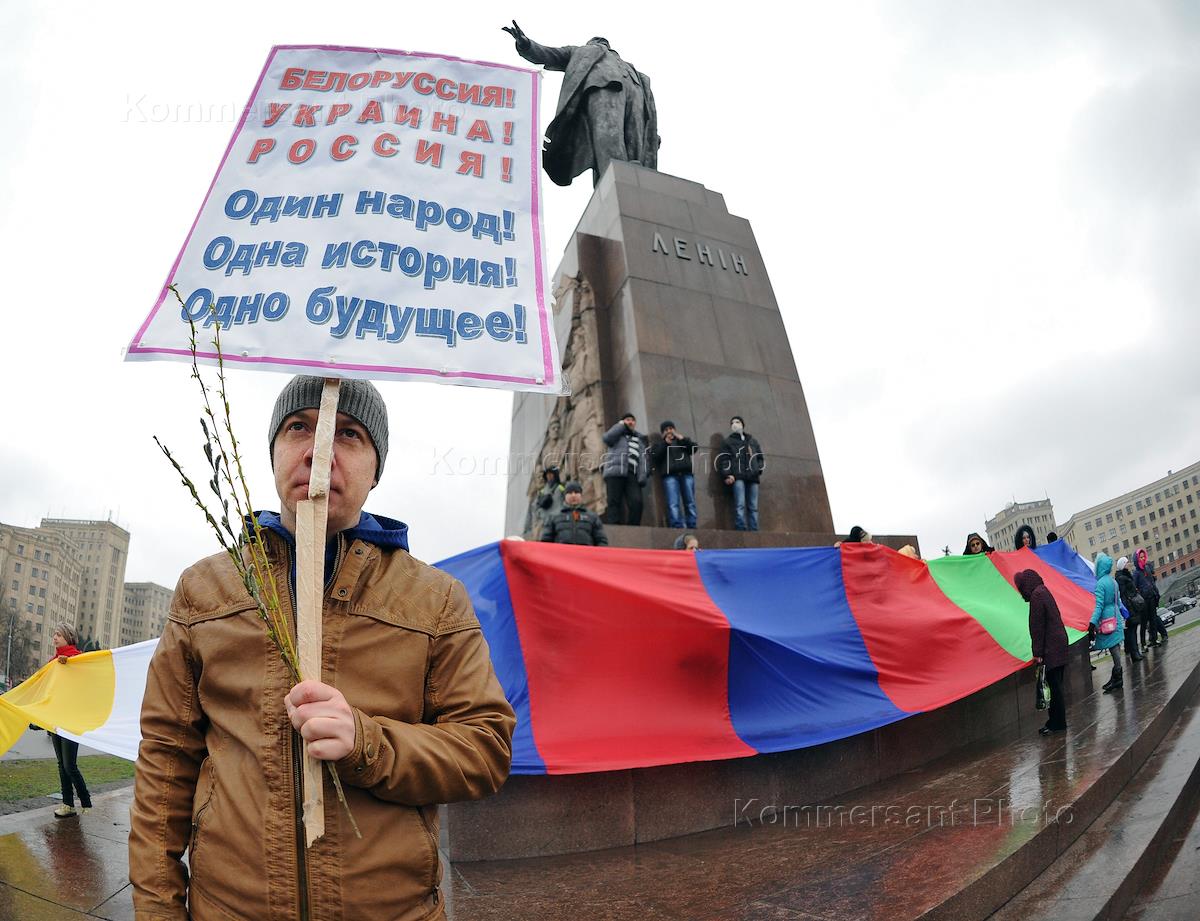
(981, 221)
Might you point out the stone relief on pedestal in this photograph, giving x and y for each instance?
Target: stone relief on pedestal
(573, 440)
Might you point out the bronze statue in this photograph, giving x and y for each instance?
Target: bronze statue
(605, 109)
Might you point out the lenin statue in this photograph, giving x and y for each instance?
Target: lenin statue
(605, 109)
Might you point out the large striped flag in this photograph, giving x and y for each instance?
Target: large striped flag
(616, 658)
(95, 698)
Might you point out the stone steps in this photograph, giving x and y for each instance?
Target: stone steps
(1105, 869)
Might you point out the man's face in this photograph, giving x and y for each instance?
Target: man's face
(975, 545)
(691, 544)
(669, 433)
(351, 474)
(630, 421)
(573, 498)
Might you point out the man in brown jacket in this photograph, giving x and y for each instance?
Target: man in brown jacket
(408, 709)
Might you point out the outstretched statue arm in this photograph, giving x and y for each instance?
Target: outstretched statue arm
(550, 58)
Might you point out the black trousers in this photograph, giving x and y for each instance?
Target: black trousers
(1153, 626)
(1058, 700)
(1131, 637)
(624, 500)
(67, 753)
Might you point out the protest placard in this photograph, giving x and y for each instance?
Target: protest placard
(376, 214)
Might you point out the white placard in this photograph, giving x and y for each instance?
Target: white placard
(377, 214)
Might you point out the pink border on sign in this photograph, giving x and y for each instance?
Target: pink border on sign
(535, 212)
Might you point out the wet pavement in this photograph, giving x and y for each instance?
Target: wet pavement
(945, 837)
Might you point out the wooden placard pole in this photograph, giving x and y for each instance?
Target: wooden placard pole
(312, 516)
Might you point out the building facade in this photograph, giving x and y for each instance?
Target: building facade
(41, 577)
(1002, 529)
(1163, 517)
(145, 611)
(103, 553)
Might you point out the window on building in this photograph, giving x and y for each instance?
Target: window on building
(1108, 518)
(41, 593)
(32, 590)
(1087, 525)
(1129, 510)
(1138, 504)
(1152, 518)
(1158, 497)
(29, 606)
(20, 549)
(1158, 545)
(41, 609)
(37, 554)
(16, 567)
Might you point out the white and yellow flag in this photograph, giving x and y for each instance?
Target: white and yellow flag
(95, 698)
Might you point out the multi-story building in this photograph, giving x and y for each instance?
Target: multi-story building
(103, 552)
(145, 611)
(1002, 529)
(41, 576)
(1163, 517)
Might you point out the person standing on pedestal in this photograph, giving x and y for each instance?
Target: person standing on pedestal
(672, 459)
(625, 469)
(741, 464)
(575, 524)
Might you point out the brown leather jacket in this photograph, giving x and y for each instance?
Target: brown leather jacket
(217, 773)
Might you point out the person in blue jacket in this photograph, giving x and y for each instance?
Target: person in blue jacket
(1106, 606)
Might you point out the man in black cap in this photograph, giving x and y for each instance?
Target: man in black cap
(406, 708)
(575, 524)
(672, 458)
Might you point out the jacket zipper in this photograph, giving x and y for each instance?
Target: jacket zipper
(298, 752)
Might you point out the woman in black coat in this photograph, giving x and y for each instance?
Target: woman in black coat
(1048, 637)
(1134, 603)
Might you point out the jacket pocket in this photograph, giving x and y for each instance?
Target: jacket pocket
(205, 784)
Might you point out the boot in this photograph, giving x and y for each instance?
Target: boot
(1115, 683)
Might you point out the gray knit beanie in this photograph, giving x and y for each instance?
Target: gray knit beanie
(357, 399)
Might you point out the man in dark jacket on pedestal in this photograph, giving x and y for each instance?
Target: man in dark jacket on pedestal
(672, 459)
(741, 463)
(575, 524)
(626, 467)
(1048, 638)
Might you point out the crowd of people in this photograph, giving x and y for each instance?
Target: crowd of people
(630, 459)
(1125, 616)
